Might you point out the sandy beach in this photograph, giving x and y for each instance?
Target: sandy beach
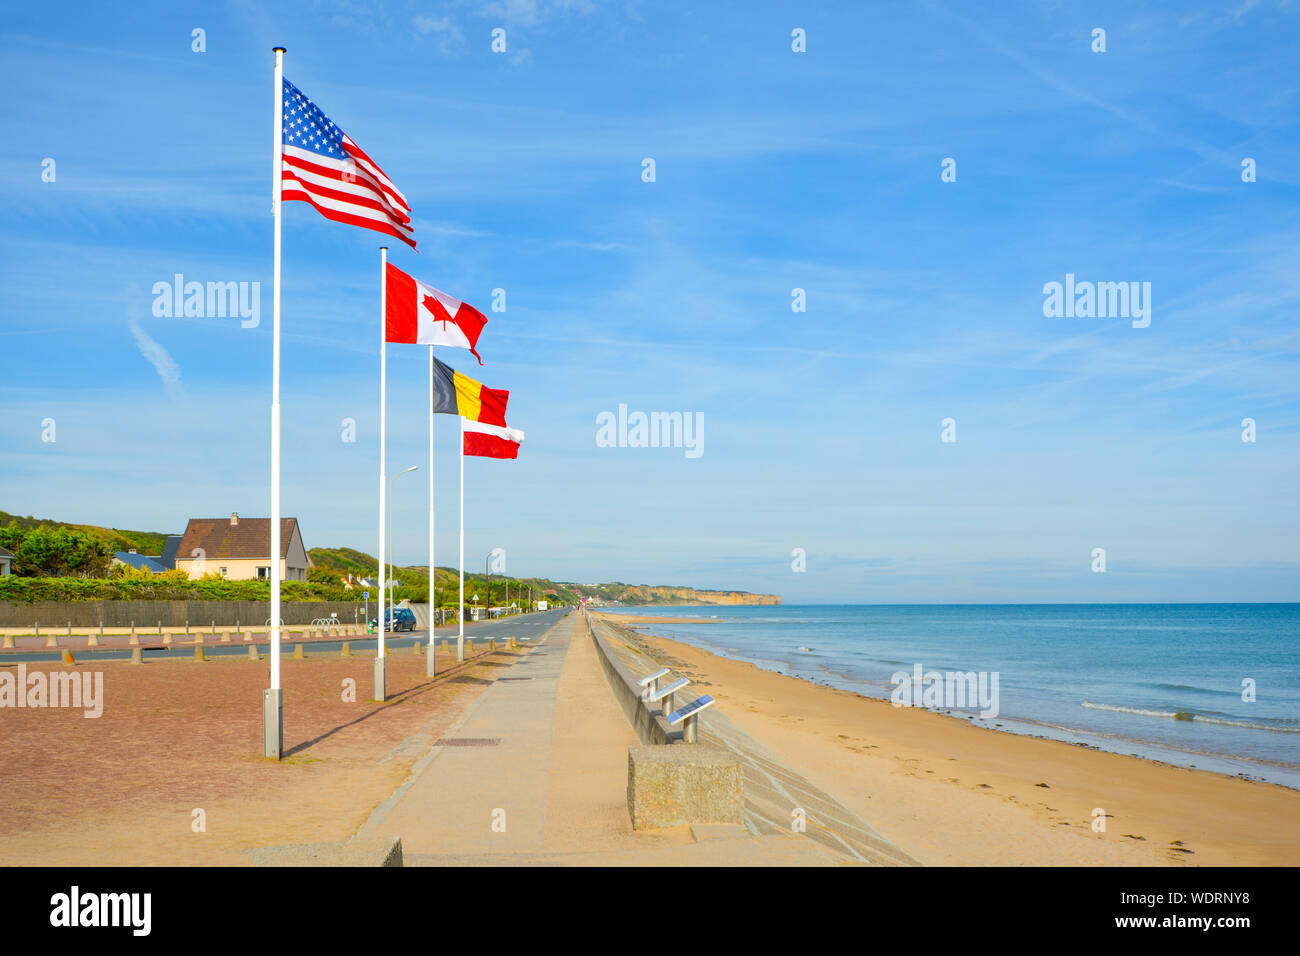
(951, 793)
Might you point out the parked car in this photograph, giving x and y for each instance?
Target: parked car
(396, 619)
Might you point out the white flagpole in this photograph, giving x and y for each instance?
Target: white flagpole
(460, 637)
(273, 700)
(383, 459)
(430, 664)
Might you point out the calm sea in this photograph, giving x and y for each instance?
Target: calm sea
(1162, 681)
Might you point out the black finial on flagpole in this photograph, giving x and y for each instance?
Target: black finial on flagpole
(278, 49)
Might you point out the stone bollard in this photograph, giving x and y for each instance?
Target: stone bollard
(134, 641)
(492, 643)
(9, 642)
(51, 641)
(298, 652)
(347, 649)
(167, 638)
(198, 652)
(92, 641)
(136, 656)
(445, 648)
(252, 652)
(248, 636)
(416, 648)
(225, 637)
(469, 645)
(67, 657)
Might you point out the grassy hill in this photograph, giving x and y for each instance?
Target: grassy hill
(334, 564)
(416, 580)
(146, 542)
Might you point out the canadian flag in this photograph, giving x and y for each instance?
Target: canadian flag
(418, 314)
(491, 441)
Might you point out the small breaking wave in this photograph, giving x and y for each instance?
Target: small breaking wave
(1191, 716)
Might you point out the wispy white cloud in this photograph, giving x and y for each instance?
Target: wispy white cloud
(158, 357)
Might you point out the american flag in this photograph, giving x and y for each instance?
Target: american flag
(324, 167)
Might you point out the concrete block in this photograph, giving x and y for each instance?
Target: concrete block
(677, 785)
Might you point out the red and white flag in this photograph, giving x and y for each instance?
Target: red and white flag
(322, 166)
(418, 314)
(491, 441)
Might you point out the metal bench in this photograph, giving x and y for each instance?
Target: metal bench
(650, 683)
(691, 715)
(665, 694)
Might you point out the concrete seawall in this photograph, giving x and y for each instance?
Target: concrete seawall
(650, 728)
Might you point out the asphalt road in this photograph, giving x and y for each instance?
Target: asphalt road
(524, 627)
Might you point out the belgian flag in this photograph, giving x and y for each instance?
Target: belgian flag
(457, 394)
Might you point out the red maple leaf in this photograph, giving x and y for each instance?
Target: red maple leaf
(437, 311)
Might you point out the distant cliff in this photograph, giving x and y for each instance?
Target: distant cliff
(654, 594)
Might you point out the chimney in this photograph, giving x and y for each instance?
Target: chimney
(132, 551)
(234, 517)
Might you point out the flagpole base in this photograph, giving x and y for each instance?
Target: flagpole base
(273, 722)
(431, 659)
(460, 650)
(381, 678)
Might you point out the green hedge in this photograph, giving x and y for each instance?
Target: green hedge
(26, 590)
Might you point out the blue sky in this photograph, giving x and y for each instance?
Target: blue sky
(775, 170)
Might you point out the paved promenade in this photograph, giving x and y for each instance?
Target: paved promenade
(535, 773)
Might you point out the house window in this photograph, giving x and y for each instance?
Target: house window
(223, 572)
(263, 574)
